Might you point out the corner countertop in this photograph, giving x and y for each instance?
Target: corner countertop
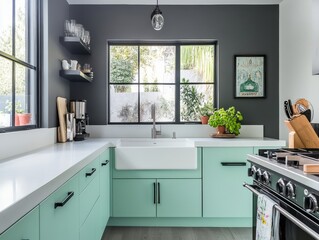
(28, 179)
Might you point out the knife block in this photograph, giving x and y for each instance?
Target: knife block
(302, 134)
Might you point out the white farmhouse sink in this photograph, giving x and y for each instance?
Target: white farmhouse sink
(157, 154)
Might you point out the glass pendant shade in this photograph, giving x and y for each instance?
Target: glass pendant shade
(157, 19)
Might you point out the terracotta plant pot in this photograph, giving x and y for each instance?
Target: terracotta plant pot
(221, 129)
(204, 119)
(16, 120)
(24, 119)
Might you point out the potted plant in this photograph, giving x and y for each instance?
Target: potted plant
(226, 120)
(21, 118)
(205, 111)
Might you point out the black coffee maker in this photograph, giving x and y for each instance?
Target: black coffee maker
(78, 107)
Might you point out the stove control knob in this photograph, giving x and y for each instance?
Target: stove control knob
(281, 186)
(258, 175)
(311, 203)
(291, 190)
(252, 171)
(266, 177)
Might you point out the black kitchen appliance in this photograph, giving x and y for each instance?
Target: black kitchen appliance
(278, 173)
(78, 107)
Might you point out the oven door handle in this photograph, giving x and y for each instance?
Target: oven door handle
(286, 214)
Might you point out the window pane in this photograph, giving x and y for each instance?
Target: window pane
(6, 26)
(197, 63)
(192, 97)
(25, 96)
(5, 92)
(123, 64)
(123, 104)
(164, 98)
(157, 64)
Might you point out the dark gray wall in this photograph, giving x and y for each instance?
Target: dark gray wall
(58, 12)
(238, 29)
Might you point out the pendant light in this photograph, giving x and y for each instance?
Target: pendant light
(157, 18)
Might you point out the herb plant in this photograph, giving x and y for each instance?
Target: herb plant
(229, 118)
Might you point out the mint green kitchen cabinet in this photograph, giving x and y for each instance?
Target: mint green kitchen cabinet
(90, 230)
(224, 171)
(59, 213)
(26, 228)
(134, 198)
(105, 187)
(157, 198)
(89, 179)
(179, 198)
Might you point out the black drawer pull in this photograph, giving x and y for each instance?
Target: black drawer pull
(105, 163)
(61, 204)
(158, 193)
(233, 164)
(90, 173)
(154, 188)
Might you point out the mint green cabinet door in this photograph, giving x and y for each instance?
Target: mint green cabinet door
(61, 222)
(90, 230)
(133, 198)
(223, 176)
(26, 228)
(104, 190)
(88, 198)
(179, 198)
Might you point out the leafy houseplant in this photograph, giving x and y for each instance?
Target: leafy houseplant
(191, 100)
(229, 118)
(205, 111)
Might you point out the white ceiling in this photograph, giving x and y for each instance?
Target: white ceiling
(175, 2)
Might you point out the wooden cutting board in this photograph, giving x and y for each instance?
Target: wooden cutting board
(305, 131)
(62, 111)
(311, 168)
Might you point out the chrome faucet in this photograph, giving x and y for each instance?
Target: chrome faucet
(154, 131)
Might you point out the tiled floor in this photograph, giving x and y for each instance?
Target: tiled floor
(168, 233)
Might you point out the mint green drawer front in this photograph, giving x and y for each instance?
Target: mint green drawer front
(179, 198)
(223, 194)
(88, 198)
(105, 186)
(61, 222)
(90, 230)
(84, 175)
(105, 155)
(133, 198)
(196, 173)
(26, 228)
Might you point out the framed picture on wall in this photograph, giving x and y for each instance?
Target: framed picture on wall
(250, 73)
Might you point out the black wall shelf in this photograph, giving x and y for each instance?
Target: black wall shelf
(75, 45)
(75, 76)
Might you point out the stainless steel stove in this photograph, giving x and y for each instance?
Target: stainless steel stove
(278, 173)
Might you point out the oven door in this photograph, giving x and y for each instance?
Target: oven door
(295, 223)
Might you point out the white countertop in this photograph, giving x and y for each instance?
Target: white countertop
(27, 180)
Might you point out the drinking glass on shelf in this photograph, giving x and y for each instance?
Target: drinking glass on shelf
(67, 28)
(86, 38)
(73, 27)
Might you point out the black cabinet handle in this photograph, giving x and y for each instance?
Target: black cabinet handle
(90, 173)
(158, 193)
(154, 188)
(233, 164)
(61, 204)
(105, 163)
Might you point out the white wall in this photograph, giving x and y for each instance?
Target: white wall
(295, 46)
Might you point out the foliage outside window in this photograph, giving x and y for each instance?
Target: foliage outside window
(178, 78)
(18, 64)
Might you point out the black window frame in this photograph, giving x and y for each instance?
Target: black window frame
(14, 60)
(177, 83)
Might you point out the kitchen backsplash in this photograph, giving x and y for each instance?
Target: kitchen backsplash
(182, 131)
